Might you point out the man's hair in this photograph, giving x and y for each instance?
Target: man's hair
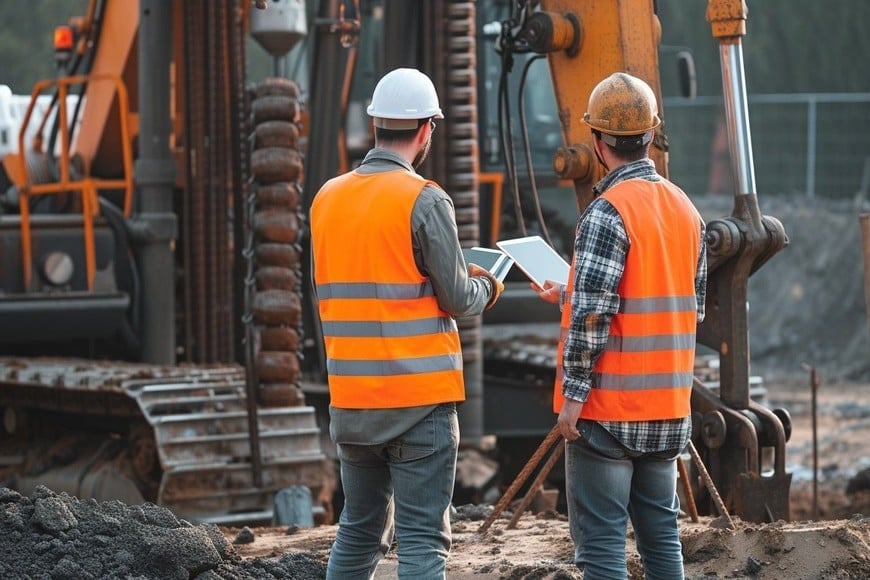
(387, 136)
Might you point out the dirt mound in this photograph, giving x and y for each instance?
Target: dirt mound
(57, 536)
(838, 549)
(807, 304)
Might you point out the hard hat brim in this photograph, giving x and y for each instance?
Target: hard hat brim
(395, 124)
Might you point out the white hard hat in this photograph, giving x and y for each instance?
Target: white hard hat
(402, 97)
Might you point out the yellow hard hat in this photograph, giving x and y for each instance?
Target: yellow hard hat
(622, 104)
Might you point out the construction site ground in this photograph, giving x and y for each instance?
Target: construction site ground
(47, 535)
(807, 311)
(835, 544)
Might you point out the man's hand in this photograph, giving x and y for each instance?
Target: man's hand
(551, 292)
(568, 417)
(497, 286)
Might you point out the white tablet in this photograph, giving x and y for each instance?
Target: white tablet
(496, 262)
(537, 259)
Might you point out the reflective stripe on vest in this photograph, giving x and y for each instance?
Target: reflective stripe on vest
(646, 369)
(388, 343)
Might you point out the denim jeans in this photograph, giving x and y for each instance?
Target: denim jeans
(606, 485)
(403, 486)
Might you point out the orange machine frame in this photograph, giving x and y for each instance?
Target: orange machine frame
(87, 186)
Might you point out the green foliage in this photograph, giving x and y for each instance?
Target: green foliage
(26, 36)
(791, 46)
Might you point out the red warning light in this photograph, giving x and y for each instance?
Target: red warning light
(63, 38)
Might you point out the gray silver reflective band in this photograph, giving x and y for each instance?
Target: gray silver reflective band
(658, 304)
(650, 343)
(375, 290)
(393, 329)
(386, 368)
(610, 382)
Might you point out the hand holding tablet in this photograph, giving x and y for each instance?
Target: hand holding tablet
(537, 259)
(495, 262)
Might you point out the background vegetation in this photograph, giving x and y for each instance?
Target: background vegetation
(790, 46)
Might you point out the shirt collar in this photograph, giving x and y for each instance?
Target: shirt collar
(382, 154)
(640, 169)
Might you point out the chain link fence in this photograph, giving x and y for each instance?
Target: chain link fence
(809, 144)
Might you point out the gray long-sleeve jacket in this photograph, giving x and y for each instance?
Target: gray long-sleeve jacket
(438, 256)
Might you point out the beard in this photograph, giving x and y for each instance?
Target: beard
(422, 154)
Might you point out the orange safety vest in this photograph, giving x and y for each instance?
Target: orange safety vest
(646, 370)
(388, 343)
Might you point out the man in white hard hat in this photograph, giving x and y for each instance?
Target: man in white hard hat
(635, 294)
(390, 280)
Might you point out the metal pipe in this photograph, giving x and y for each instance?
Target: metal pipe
(728, 22)
(737, 117)
(155, 224)
(812, 117)
(251, 379)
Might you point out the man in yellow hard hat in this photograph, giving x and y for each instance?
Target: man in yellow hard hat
(635, 294)
(390, 279)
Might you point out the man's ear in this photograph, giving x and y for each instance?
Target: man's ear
(421, 130)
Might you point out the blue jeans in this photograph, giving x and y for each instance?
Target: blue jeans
(607, 484)
(404, 485)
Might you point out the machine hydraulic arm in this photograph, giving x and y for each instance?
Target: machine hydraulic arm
(586, 41)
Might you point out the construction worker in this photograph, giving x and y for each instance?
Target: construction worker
(634, 296)
(390, 280)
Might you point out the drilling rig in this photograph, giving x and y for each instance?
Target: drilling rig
(158, 327)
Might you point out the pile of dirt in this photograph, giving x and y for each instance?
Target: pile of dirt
(807, 303)
(57, 536)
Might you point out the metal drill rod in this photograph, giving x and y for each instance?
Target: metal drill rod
(533, 462)
(814, 386)
(708, 481)
(537, 484)
(687, 487)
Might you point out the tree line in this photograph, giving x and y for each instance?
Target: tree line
(791, 45)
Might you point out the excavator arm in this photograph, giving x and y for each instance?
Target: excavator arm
(585, 41)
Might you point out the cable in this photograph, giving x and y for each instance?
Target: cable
(504, 128)
(536, 199)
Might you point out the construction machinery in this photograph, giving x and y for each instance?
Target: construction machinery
(157, 321)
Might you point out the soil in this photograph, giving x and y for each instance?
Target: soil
(808, 312)
(833, 545)
(799, 317)
(55, 536)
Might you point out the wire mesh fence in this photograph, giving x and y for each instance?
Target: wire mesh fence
(811, 144)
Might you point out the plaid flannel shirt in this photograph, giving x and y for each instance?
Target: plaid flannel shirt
(600, 252)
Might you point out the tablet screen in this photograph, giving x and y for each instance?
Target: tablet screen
(496, 262)
(536, 259)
